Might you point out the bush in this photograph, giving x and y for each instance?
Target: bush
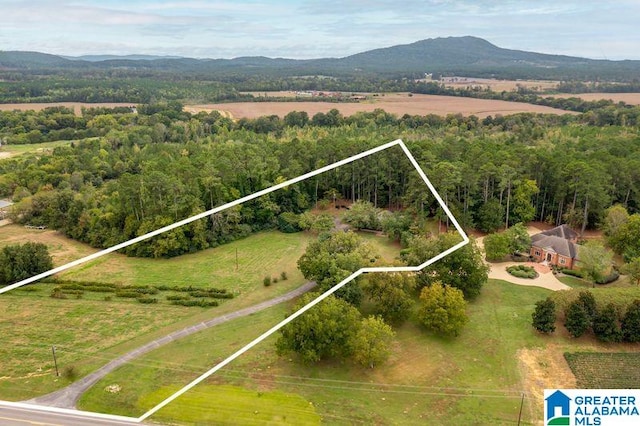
(274, 280)
(266, 281)
(127, 294)
(147, 300)
(576, 319)
(57, 293)
(573, 273)
(70, 372)
(178, 297)
(614, 275)
(283, 276)
(200, 302)
(631, 323)
(605, 324)
(522, 271)
(544, 316)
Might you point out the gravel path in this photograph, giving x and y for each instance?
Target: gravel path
(68, 397)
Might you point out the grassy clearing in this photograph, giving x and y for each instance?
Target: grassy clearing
(473, 379)
(597, 370)
(388, 250)
(233, 405)
(35, 148)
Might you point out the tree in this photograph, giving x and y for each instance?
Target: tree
(520, 241)
(615, 217)
(544, 316)
(626, 239)
(391, 294)
(372, 342)
(332, 258)
(605, 324)
(362, 215)
(490, 216)
(523, 209)
(631, 323)
(497, 246)
(462, 269)
(632, 268)
(576, 319)
(22, 261)
(325, 331)
(588, 303)
(595, 260)
(442, 309)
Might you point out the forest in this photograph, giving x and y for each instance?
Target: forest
(128, 172)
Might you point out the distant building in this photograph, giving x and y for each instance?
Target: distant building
(556, 247)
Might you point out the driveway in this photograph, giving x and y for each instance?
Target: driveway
(545, 278)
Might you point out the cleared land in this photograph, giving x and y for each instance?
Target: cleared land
(76, 106)
(473, 379)
(399, 104)
(629, 98)
(35, 148)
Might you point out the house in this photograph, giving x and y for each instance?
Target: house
(556, 247)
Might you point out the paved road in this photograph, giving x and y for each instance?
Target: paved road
(68, 397)
(23, 416)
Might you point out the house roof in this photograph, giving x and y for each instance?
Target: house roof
(562, 231)
(558, 244)
(5, 203)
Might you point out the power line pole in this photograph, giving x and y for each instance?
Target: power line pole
(55, 361)
(520, 413)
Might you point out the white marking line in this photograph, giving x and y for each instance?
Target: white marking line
(199, 216)
(65, 411)
(465, 240)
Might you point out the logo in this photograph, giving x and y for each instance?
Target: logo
(592, 407)
(557, 409)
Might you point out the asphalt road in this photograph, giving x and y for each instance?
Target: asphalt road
(19, 416)
(68, 397)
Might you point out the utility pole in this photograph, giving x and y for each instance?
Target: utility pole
(520, 413)
(55, 361)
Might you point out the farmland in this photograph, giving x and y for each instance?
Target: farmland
(399, 104)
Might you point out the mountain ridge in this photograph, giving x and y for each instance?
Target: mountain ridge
(468, 55)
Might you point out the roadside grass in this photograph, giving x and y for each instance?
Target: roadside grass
(472, 379)
(233, 405)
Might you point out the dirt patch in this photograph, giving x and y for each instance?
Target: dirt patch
(4, 155)
(398, 104)
(543, 368)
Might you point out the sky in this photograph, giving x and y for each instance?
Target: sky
(313, 29)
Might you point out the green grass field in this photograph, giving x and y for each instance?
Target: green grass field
(472, 379)
(34, 148)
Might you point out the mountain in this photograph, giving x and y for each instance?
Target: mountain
(465, 56)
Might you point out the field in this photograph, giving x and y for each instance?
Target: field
(400, 104)
(45, 147)
(474, 379)
(629, 98)
(600, 370)
(76, 106)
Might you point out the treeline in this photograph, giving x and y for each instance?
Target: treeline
(150, 169)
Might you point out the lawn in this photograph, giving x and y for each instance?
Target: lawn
(472, 379)
(34, 148)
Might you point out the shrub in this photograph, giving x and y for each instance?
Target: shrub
(576, 319)
(108, 298)
(127, 294)
(614, 275)
(147, 300)
(544, 316)
(605, 324)
(631, 323)
(266, 281)
(274, 280)
(57, 293)
(522, 271)
(70, 372)
(178, 297)
(283, 276)
(572, 272)
(200, 302)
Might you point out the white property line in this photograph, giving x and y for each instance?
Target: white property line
(398, 142)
